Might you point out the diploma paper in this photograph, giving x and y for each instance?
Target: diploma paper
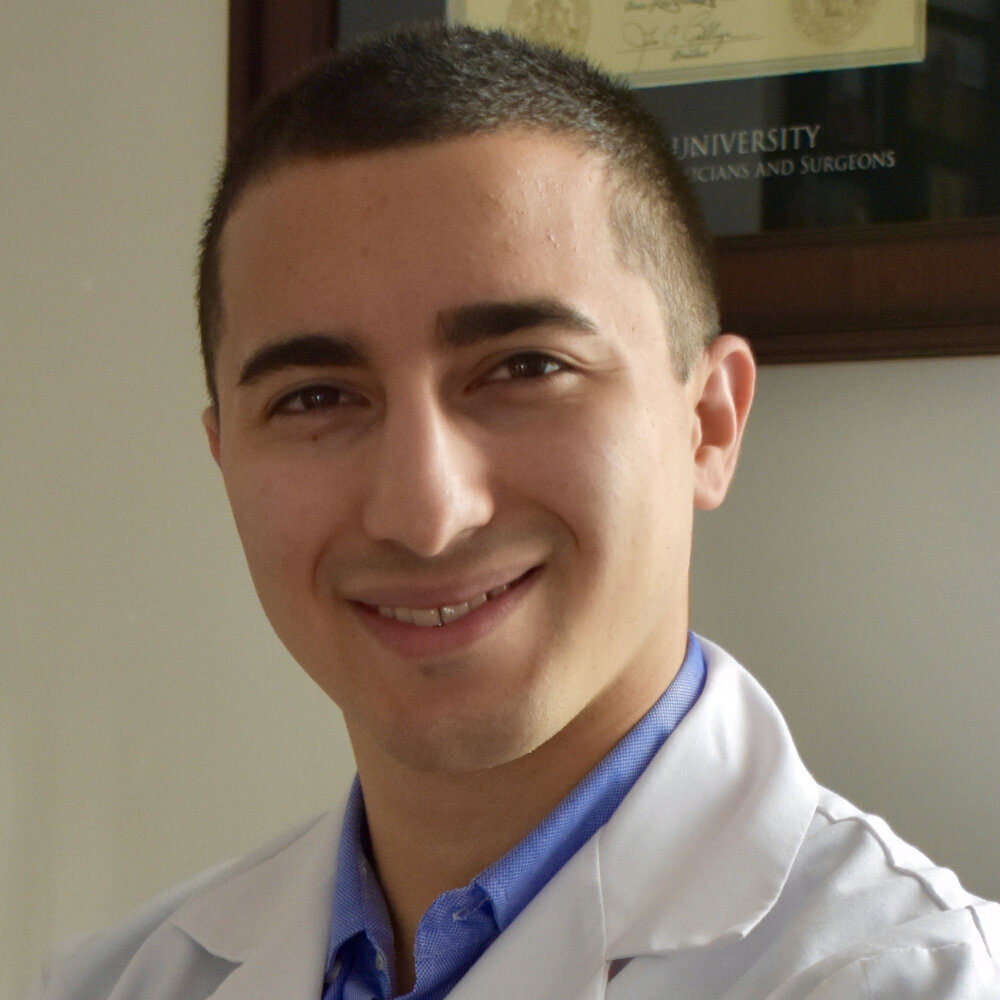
(655, 42)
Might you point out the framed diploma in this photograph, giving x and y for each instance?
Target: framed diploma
(656, 42)
(845, 152)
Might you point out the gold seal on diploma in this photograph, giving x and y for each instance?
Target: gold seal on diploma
(832, 22)
(564, 24)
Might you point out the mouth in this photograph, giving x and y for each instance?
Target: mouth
(438, 615)
(415, 631)
(445, 614)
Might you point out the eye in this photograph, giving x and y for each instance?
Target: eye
(311, 398)
(527, 365)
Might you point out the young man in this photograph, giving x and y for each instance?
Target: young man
(467, 389)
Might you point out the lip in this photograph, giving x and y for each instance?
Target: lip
(441, 592)
(414, 641)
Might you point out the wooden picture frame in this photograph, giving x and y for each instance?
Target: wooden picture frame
(885, 291)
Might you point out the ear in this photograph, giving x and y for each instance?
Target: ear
(210, 419)
(725, 378)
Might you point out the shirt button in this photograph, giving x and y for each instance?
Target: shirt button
(380, 962)
(335, 971)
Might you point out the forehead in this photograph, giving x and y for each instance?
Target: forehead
(438, 198)
(506, 165)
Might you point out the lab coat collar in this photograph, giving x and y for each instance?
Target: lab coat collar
(271, 918)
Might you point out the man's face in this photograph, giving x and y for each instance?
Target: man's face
(443, 398)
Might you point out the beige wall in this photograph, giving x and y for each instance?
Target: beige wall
(150, 725)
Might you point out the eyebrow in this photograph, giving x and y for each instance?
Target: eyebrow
(310, 350)
(471, 324)
(463, 326)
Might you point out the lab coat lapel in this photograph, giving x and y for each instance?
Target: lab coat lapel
(555, 948)
(703, 844)
(271, 920)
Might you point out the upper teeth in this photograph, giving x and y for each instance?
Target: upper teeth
(444, 615)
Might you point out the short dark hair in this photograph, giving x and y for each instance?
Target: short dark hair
(435, 83)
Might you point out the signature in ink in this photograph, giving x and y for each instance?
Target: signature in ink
(635, 36)
(702, 36)
(704, 31)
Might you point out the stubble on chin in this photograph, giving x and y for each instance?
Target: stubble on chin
(458, 741)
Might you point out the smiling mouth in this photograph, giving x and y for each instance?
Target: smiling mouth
(446, 613)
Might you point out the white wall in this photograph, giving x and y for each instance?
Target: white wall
(150, 725)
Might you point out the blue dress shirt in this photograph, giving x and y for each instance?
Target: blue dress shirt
(461, 923)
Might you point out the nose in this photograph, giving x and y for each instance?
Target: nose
(428, 480)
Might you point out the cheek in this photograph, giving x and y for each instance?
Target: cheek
(620, 481)
(282, 514)
(592, 473)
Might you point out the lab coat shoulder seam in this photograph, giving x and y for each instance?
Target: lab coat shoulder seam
(883, 840)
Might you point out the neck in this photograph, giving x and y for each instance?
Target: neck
(432, 831)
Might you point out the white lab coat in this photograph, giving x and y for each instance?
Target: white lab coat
(725, 873)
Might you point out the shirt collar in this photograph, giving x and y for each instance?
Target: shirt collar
(358, 903)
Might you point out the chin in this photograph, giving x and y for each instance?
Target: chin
(459, 745)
